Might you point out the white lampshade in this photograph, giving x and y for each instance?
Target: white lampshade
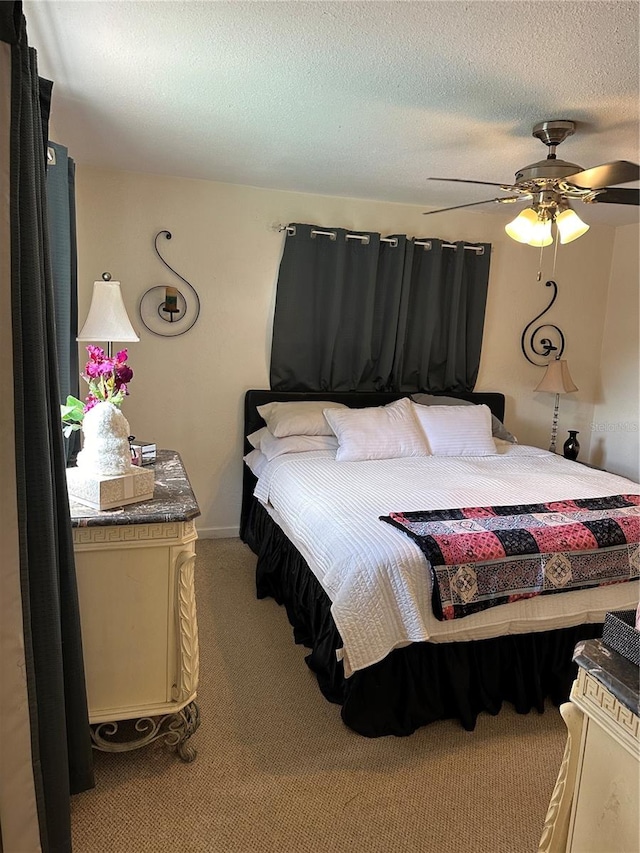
(570, 226)
(520, 228)
(107, 319)
(557, 379)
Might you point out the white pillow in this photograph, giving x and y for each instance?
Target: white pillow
(256, 460)
(498, 429)
(304, 417)
(256, 437)
(457, 430)
(382, 432)
(272, 446)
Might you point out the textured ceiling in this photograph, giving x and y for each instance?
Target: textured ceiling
(362, 99)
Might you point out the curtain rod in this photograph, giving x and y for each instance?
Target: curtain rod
(364, 238)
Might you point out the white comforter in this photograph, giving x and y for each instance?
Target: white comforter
(378, 579)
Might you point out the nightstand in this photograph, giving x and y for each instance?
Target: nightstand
(594, 806)
(135, 570)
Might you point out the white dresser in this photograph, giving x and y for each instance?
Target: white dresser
(595, 804)
(135, 570)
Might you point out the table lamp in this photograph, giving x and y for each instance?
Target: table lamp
(107, 319)
(556, 380)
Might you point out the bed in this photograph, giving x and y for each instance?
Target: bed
(396, 668)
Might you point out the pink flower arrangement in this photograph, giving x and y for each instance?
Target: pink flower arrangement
(108, 380)
(107, 377)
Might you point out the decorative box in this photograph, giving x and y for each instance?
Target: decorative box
(142, 453)
(102, 492)
(619, 633)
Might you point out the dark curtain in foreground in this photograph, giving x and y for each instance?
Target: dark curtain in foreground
(61, 210)
(60, 742)
(357, 312)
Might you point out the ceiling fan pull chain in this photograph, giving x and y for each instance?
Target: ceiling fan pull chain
(539, 276)
(555, 254)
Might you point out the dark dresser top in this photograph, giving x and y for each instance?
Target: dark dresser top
(620, 676)
(173, 499)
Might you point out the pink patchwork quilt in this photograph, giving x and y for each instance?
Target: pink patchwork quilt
(484, 556)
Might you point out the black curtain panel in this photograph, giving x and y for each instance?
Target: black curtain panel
(62, 243)
(440, 327)
(355, 311)
(61, 747)
(334, 299)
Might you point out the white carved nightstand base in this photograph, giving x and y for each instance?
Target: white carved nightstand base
(594, 806)
(556, 825)
(174, 729)
(136, 590)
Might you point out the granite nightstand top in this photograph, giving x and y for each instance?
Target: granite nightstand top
(619, 675)
(173, 499)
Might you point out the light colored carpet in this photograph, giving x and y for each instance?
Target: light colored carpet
(277, 770)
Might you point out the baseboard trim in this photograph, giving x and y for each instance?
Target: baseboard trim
(218, 532)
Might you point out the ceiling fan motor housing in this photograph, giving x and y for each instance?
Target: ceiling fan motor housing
(551, 170)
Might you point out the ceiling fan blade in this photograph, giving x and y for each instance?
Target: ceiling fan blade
(464, 181)
(617, 172)
(617, 195)
(474, 203)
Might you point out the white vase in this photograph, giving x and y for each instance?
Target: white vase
(105, 449)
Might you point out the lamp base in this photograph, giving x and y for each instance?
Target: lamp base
(100, 492)
(554, 425)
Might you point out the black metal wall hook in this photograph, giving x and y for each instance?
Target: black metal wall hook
(543, 346)
(169, 304)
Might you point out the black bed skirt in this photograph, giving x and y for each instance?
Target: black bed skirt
(422, 682)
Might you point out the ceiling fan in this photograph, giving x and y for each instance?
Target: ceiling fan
(551, 185)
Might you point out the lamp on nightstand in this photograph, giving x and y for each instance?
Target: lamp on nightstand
(104, 477)
(556, 380)
(107, 319)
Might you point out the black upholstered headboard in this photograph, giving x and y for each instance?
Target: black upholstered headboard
(353, 399)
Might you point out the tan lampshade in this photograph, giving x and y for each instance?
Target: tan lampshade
(107, 319)
(557, 379)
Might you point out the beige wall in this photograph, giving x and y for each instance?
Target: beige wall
(188, 391)
(615, 437)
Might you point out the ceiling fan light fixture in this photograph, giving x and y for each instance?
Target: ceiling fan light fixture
(570, 226)
(540, 234)
(521, 228)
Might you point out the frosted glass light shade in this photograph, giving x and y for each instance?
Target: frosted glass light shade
(520, 228)
(107, 319)
(570, 226)
(557, 379)
(540, 233)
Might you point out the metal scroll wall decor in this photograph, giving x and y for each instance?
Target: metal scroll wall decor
(169, 311)
(544, 339)
(557, 380)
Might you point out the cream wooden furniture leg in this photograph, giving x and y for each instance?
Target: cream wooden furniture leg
(596, 801)
(556, 825)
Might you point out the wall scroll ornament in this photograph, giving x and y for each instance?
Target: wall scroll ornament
(545, 339)
(169, 311)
